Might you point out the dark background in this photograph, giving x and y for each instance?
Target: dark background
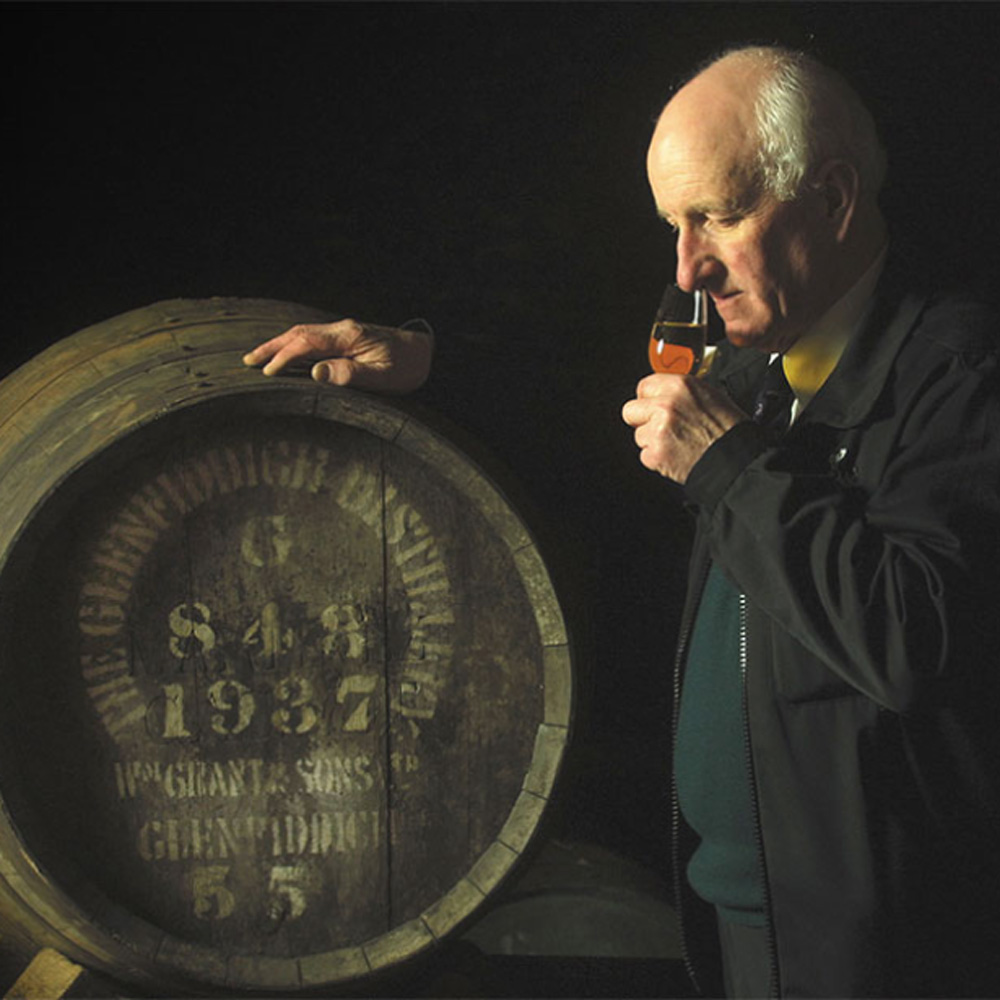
(482, 166)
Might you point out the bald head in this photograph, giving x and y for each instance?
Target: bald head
(797, 112)
(715, 109)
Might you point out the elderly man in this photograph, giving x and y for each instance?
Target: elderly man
(837, 691)
(836, 763)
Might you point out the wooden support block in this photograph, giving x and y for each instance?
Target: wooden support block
(49, 975)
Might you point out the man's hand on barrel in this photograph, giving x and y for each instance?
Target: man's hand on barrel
(361, 355)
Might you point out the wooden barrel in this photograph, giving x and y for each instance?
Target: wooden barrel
(286, 681)
(578, 899)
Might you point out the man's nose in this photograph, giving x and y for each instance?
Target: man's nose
(696, 260)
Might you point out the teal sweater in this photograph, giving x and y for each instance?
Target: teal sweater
(711, 763)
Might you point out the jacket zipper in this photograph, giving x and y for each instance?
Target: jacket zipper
(683, 639)
(772, 950)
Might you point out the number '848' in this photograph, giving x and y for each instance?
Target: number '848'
(295, 708)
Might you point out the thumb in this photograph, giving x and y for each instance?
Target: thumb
(336, 371)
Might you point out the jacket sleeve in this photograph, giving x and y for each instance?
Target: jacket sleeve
(887, 577)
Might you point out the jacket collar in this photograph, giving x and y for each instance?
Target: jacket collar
(810, 361)
(848, 395)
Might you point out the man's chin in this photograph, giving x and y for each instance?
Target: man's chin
(769, 339)
(746, 338)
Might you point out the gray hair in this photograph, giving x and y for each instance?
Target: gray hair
(807, 114)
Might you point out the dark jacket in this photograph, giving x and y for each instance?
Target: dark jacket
(867, 542)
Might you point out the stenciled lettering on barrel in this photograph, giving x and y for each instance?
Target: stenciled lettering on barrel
(266, 626)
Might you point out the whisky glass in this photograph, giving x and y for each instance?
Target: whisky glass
(677, 339)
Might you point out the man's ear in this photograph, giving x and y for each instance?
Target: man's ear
(837, 183)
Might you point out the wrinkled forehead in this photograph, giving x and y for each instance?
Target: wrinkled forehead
(703, 152)
(692, 169)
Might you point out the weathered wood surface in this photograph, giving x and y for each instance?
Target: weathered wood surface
(48, 976)
(286, 685)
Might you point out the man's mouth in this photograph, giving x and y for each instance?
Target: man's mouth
(719, 298)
